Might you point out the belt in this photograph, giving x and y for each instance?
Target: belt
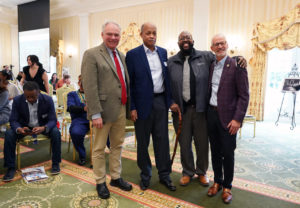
(215, 108)
(158, 94)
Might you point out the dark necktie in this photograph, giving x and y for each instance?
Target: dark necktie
(119, 71)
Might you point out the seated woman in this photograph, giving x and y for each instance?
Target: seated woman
(53, 81)
(5, 109)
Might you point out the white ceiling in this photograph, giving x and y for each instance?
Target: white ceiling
(65, 8)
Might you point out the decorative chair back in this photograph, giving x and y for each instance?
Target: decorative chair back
(59, 94)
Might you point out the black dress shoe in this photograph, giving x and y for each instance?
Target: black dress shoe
(120, 183)
(81, 161)
(168, 184)
(144, 185)
(9, 176)
(55, 169)
(102, 191)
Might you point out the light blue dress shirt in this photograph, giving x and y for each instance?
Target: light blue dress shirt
(215, 82)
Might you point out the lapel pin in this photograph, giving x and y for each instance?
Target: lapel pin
(227, 65)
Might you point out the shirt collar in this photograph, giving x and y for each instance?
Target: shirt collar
(37, 101)
(148, 50)
(110, 51)
(222, 61)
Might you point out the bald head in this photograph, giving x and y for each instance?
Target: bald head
(185, 34)
(148, 34)
(147, 24)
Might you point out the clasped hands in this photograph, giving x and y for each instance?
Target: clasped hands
(28, 132)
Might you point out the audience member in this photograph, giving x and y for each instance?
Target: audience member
(53, 81)
(33, 113)
(65, 80)
(80, 125)
(13, 90)
(5, 109)
(35, 72)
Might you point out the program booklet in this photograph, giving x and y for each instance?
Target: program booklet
(34, 174)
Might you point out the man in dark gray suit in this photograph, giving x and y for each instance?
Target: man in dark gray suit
(188, 72)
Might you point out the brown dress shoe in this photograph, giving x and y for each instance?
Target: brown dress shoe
(226, 195)
(204, 180)
(214, 189)
(185, 180)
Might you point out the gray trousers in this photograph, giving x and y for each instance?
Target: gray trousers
(194, 127)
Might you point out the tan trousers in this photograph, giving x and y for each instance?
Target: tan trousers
(116, 132)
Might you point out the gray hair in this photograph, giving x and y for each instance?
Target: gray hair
(221, 35)
(110, 22)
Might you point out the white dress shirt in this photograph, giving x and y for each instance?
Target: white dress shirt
(33, 114)
(156, 69)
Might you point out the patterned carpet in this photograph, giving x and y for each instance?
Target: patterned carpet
(72, 188)
(23, 149)
(266, 165)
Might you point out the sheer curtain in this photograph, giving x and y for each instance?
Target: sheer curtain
(280, 63)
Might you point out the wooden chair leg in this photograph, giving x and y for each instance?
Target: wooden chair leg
(74, 152)
(18, 156)
(69, 143)
(91, 147)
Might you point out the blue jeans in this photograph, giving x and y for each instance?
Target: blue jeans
(10, 142)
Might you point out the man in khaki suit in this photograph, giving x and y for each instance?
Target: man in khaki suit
(106, 87)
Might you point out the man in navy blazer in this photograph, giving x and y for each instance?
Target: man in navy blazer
(33, 113)
(80, 125)
(150, 101)
(229, 97)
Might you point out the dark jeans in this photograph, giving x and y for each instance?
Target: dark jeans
(222, 146)
(10, 142)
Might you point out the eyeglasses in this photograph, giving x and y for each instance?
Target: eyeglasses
(185, 38)
(219, 44)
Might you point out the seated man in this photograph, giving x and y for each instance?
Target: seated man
(65, 80)
(32, 113)
(80, 125)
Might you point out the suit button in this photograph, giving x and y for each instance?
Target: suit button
(119, 86)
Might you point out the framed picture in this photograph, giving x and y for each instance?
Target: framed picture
(289, 84)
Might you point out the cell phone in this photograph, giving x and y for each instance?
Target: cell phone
(28, 130)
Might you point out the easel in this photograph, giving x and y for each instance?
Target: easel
(293, 74)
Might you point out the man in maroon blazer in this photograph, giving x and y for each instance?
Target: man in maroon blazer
(228, 102)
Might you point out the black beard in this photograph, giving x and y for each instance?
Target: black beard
(187, 52)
